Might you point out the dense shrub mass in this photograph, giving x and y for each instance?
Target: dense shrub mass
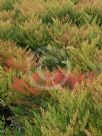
(50, 68)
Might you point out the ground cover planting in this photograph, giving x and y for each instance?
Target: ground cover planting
(50, 68)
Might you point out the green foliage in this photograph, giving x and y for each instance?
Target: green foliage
(8, 5)
(69, 113)
(60, 33)
(86, 57)
(34, 34)
(51, 58)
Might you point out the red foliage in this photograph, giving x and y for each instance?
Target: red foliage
(57, 77)
(9, 62)
(48, 75)
(48, 78)
(36, 77)
(19, 85)
(72, 81)
(22, 87)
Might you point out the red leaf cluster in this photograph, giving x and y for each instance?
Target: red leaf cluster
(23, 87)
(50, 79)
